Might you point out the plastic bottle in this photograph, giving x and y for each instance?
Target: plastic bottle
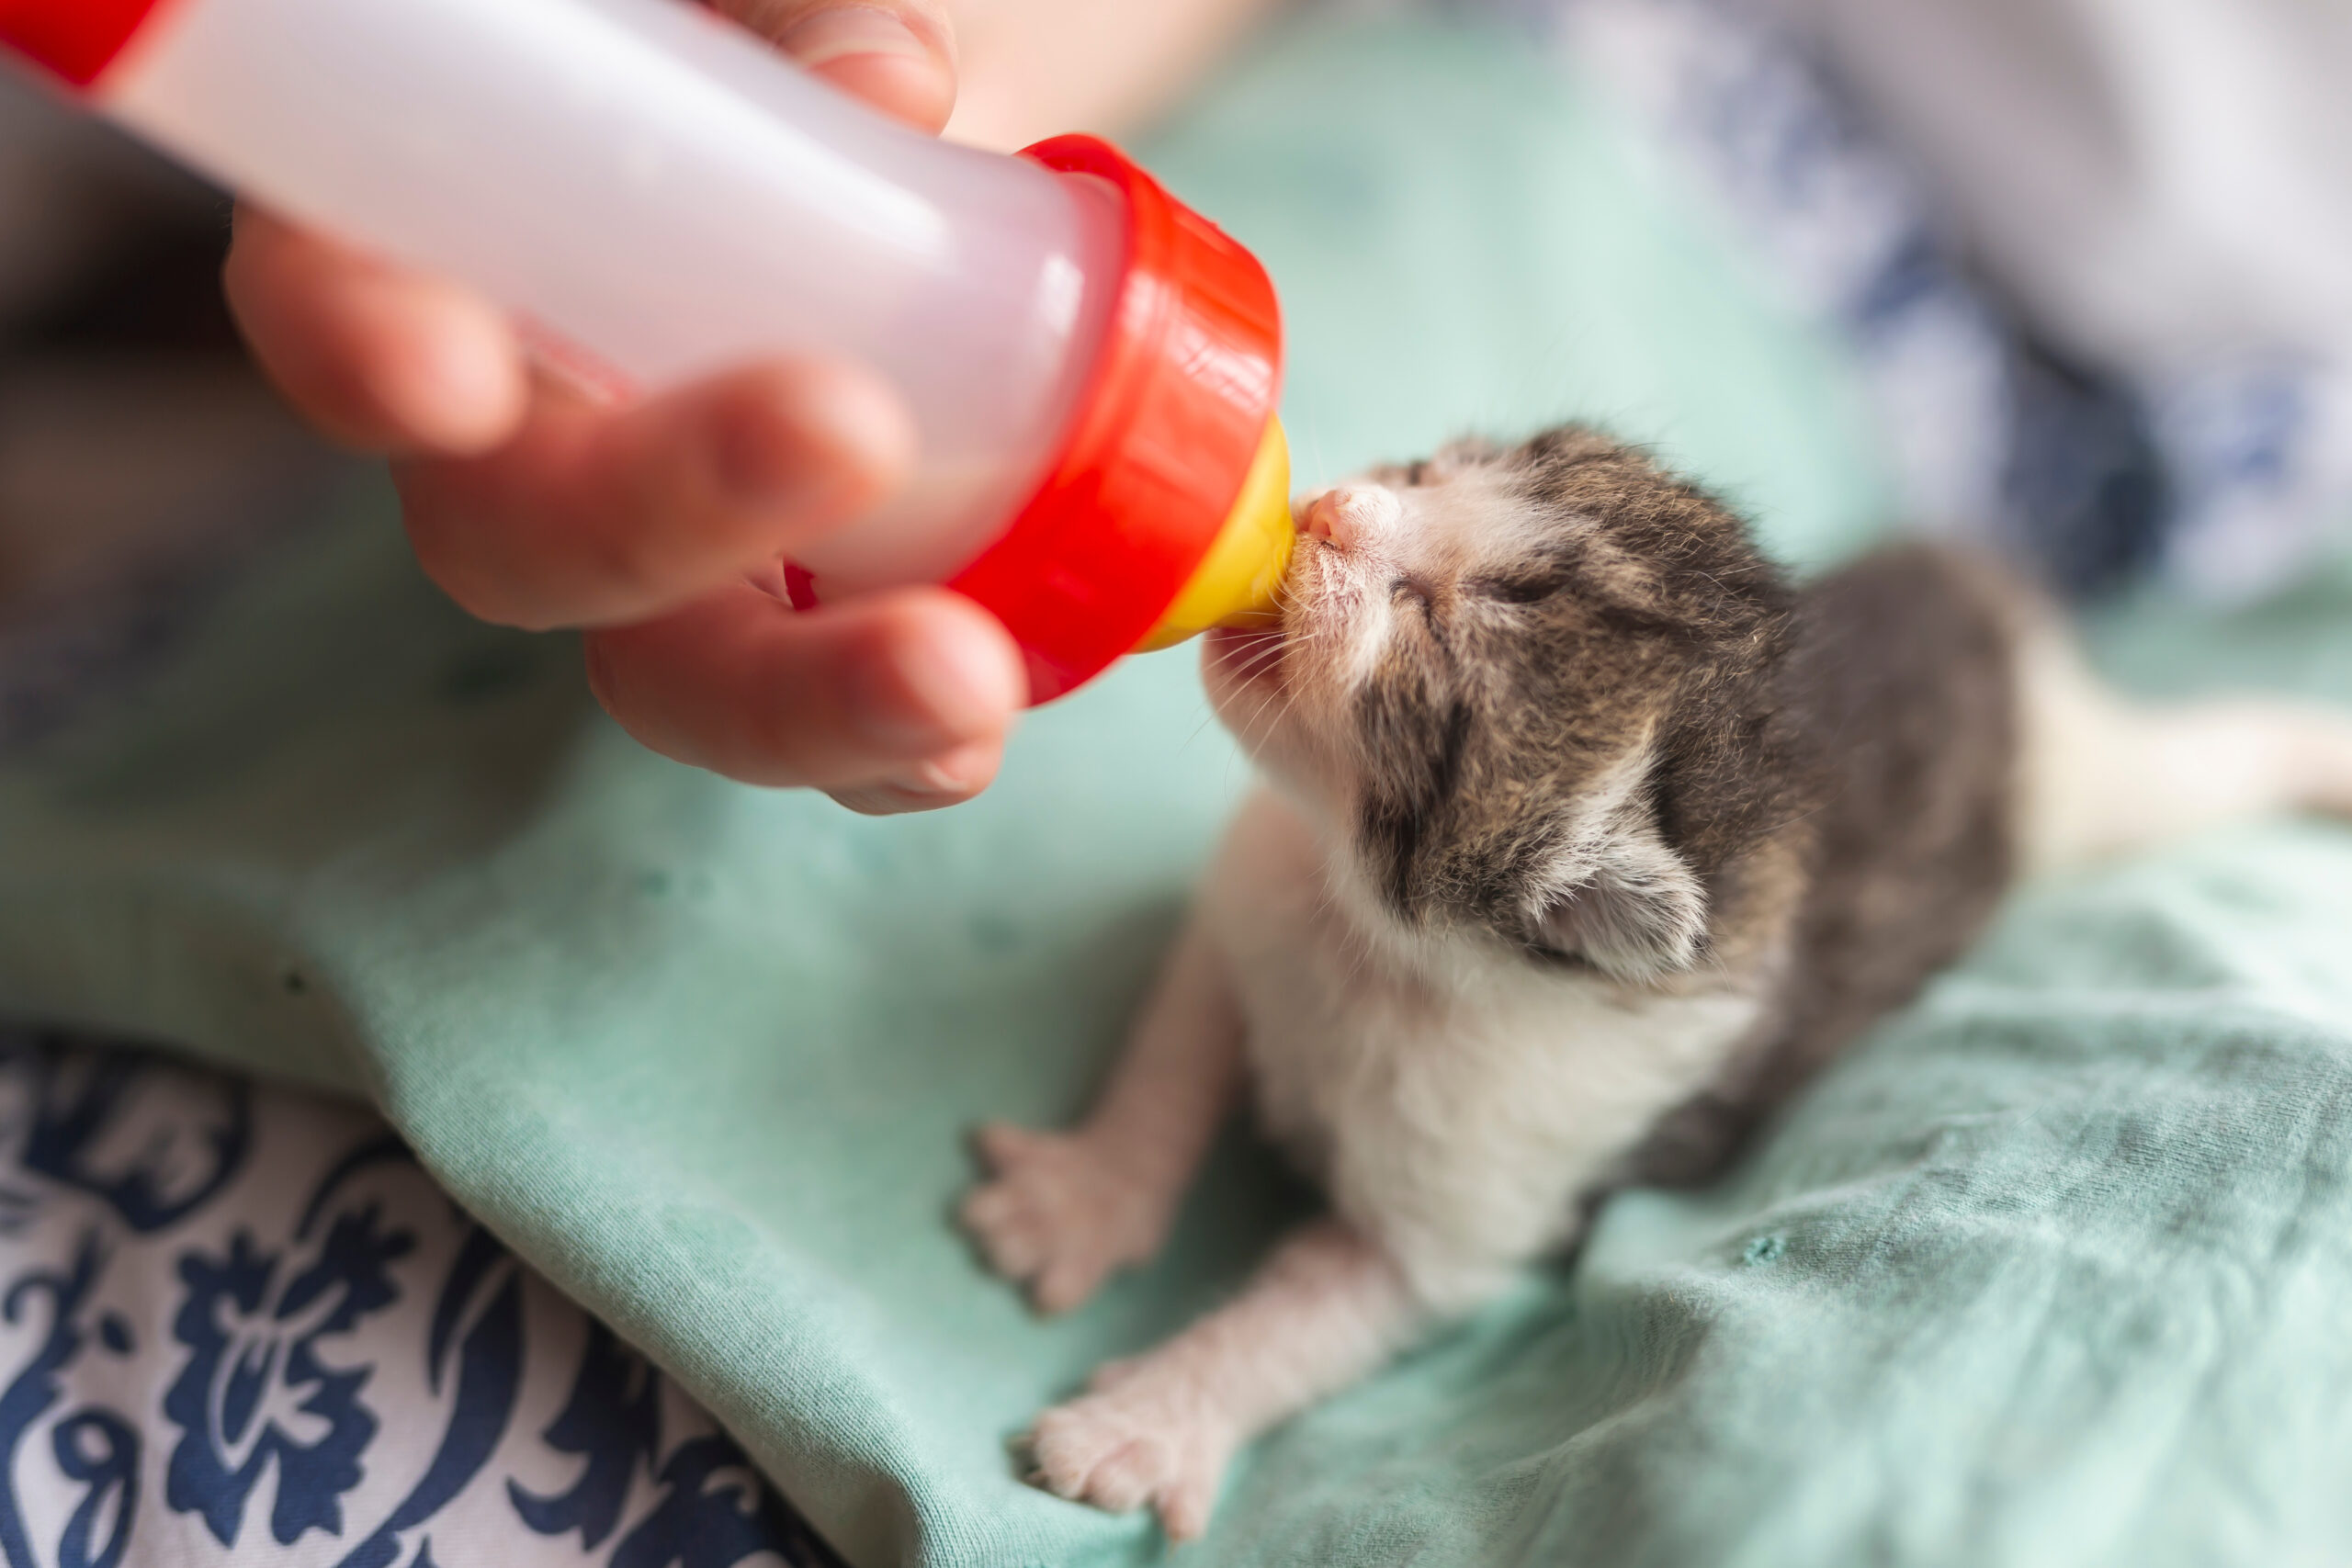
(1092, 368)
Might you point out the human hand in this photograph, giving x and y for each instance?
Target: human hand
(534, 507)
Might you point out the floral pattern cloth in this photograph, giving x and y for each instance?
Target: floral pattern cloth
(240, 1324)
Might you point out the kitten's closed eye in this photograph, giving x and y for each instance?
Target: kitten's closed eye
(1414, 589)
(1531, 580)
(1527, 590)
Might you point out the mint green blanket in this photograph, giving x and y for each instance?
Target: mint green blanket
(2054, 1270)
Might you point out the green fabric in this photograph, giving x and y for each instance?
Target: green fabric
(2051, 1272)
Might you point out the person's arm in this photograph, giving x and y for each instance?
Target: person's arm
(1031, 69)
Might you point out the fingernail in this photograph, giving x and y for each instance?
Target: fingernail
(824, 36)
(930, 781)
(886, 799)
(942, 781)
(947, 680)
(600, 668)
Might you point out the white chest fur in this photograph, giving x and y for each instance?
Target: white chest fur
(1452, 1109)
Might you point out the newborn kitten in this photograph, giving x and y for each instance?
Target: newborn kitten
(1583, 838)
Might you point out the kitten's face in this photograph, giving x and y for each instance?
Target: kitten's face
(1489, 666)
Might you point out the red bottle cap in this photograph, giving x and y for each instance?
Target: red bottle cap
(72, 40)
(1184, 385)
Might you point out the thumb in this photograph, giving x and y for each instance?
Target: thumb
(897, 55)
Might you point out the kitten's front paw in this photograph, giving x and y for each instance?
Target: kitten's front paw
(1141, 1436)
(1058, 1215)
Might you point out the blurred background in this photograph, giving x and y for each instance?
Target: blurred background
(124, 399)
(139, 451)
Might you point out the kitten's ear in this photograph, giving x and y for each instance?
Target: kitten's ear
(1628, 906)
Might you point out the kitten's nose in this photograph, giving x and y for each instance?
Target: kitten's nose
(1348, 516)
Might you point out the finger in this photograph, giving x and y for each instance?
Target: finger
(949, 779)
(747, 687)
(597, 517)
(898, 55)
(377, 356)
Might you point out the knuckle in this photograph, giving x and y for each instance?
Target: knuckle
(628, 559)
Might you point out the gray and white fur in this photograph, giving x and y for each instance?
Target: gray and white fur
(1582, 838)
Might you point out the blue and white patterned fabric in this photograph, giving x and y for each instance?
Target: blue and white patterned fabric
(2224, 471)
(240, 1324)
(1988, 436)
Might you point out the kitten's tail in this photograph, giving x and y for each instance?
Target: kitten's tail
(2102, 774)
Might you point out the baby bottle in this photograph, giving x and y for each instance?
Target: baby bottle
(1091, 366)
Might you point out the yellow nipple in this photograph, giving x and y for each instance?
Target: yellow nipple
(1239, 582)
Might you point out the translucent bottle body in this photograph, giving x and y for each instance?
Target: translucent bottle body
(662, 196)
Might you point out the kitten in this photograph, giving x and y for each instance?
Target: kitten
(1583, 838)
